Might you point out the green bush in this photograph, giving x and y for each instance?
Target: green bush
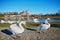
(32, 24)
(54, 22)
(4, 24)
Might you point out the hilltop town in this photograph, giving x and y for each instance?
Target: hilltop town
(25, 15)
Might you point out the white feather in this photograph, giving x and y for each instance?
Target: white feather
(16, 29)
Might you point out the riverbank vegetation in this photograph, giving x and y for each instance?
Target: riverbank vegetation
(32, 24)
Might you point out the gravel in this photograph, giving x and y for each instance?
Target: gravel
(52, 33)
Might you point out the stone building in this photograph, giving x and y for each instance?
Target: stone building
(13, 16)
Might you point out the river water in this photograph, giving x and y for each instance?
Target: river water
(42, 19)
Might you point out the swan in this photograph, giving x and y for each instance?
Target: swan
(2, 21)
(17, 28)
(11, 21)
(36, 20)
(44, 26)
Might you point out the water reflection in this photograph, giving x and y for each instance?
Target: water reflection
(42, 19)
(32, 20)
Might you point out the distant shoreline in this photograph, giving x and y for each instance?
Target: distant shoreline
(50, 17)
(43, 16)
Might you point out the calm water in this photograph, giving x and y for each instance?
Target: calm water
(39, 19)
(42, 19)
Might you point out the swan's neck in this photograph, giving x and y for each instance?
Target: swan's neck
(46, 22)
(20, 25)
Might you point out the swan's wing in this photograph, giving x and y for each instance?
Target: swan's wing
(45, 26)
(15, 29)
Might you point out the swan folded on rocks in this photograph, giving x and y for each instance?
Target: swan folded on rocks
(17, 29)
(44, 26)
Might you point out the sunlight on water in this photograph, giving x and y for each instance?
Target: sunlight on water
(42, 19)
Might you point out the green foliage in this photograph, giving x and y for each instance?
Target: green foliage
(54, 22)
(1, 18)
(1, 15)
(32, 24)
(24, 15)
(4, 24)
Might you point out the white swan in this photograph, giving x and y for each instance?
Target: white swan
(44, 25)
(2, 21)
(17, 29)
(36, 20)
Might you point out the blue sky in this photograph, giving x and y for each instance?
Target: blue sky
(33, 6)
